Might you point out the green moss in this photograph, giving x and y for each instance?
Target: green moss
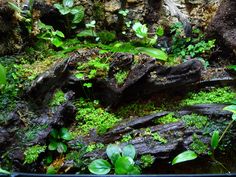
(158, 137)
(136, 109)
(147, 160)
(195, 120)
(32, 153)
(169, 118)
(126, 138)
(58, 98)
(198, 146)
(217, 95)
(94, 67)
(120, 77)
(92, 147)
(91, 116)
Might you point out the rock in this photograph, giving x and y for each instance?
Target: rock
(223, 25)
(10, 37)
(112, 5)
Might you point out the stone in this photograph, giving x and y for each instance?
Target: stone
(112, 6)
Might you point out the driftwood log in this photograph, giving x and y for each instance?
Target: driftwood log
(144, 79)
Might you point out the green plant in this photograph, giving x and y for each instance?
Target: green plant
(122, 160)
(124, 12)
(169, 118)
(32, 153)
(141, 31)
(216, 95)
(91, 115)
(106, 37)
(57, 138)
(153, 52)
(2, 171)
(126, 138)
(120, 77)
(233, 67)
(2, 75)
(74, 14)
(58, 98)
(195, 120)
(157, 137)
(198, 146)
(47, 33)
(147, 160)
(194, 46)
(184, 156)
(94, 67)
(89, 31)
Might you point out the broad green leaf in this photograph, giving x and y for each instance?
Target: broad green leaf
(79, 75)
(52, 146)
(160, 31)
(3, 79)
(135, 170)
(54, 133)
(78, 17)
(58, 6)
(231, 108)
(123, 165)
(129, 151)
(77, 9)
(4, 171)
(184, 156)
(113, 152)
(232, 67)
(88, 84)
(68, 3)
(59, 33)
(215, 139)
(61, 147)
(51, 170)
(65, 134)
(64, 10)
(57, 42)
(87, 33)
(99, 167)
(234, 117)
(153, 52)
(140, 30)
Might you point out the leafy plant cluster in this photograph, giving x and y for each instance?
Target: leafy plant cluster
(169, 118)
(32, 153)
(186, 47)
(58, 140)
(195, 120)
(120, 77)
(91, 116)
(122, 161)
(58, 98)
(94, 67)
(74, 14)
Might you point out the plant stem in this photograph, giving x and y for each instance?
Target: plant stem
(226, 129)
